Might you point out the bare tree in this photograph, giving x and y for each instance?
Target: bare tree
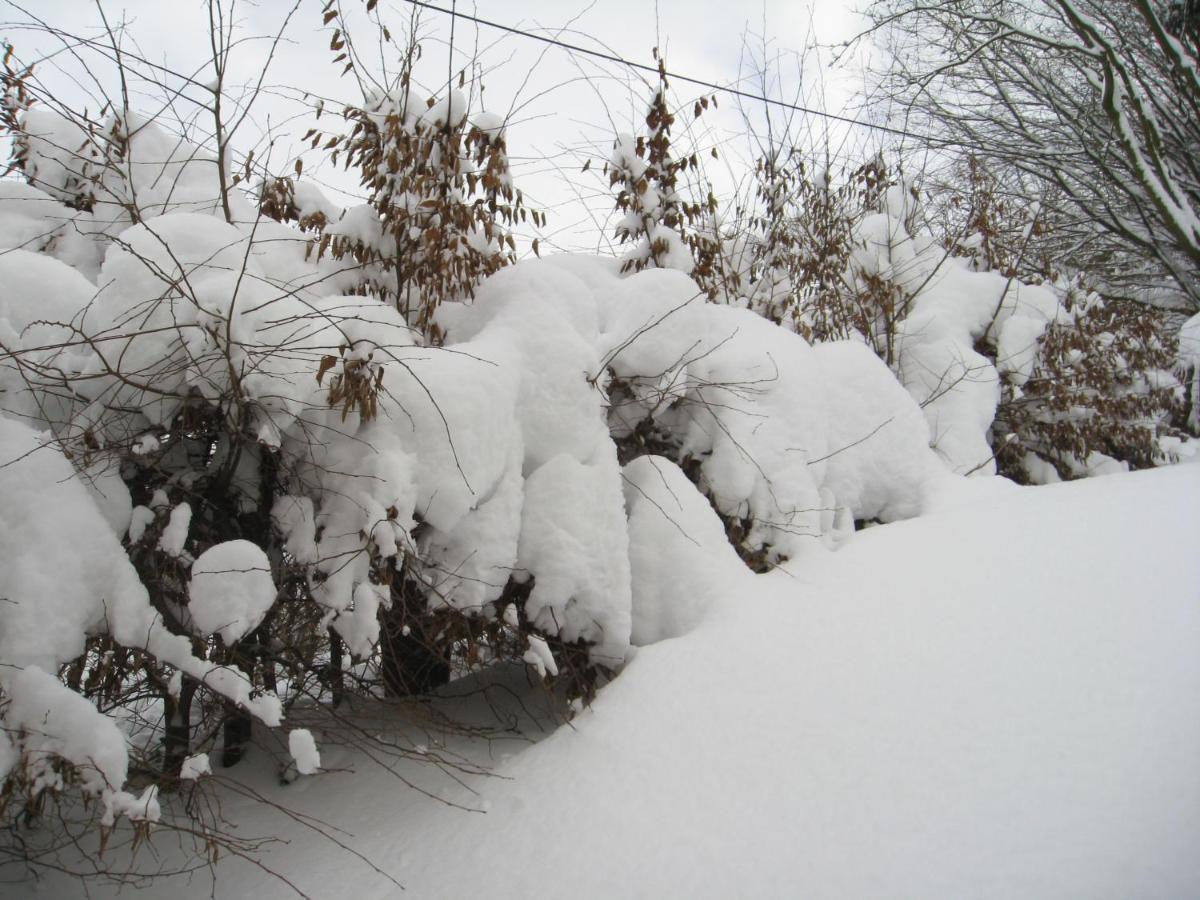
(1095, 103)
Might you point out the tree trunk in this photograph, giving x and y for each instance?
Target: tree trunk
(337, 678)
(177, 736)
(236, 732)
(411, 662)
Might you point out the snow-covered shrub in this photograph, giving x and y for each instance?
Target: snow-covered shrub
(57, 154)
(1101, 393)
(286, 475)
(1019, 372)
(1045, 379)
(761, 255)
(797, 250)
(1101, 390)
(668, 228)
(242, 474)
(440, 197)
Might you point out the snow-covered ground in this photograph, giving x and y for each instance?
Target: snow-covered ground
(997, 699)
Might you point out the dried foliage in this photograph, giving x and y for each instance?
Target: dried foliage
(668, 228)
(1102, 384)
(806, 272)
(994, 224)
(86, 155)
(439, 185)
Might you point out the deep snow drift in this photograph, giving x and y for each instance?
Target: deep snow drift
(997, 699)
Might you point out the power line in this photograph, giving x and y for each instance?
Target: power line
(575, 48)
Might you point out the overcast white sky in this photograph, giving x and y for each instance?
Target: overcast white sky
(564, 107)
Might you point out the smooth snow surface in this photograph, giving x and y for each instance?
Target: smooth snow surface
(998, 700)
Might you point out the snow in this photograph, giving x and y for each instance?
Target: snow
(782, 431)
(673, 254)
(989, 692)
(1014, 719)
(31, 219)
(498, 444)
(161, 173)
(680, 560)
(60, 153)
(539, 656)
(231, 589)
(303, 749)
(144, 808)
(992, 700)
(1189, 342)
(947, 308)
(111, 495)
(65, 576)
(489, 122)
(8, 755)
(195, 767)
(175, 535)
(574, 543)
(296, 521)
(883, 701)
(879, 465)
(311, 200)
(625, 158)
(55, 721)
(46, 511)
(448, 109)
(139, 520)
(39, 291)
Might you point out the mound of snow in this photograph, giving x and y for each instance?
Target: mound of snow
(680, 560)
(231, 589)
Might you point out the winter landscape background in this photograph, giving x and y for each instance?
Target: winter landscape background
(649, 454)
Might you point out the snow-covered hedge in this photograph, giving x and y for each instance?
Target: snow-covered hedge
(205, 435)
(1040, 381)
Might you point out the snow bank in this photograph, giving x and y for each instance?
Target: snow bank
(993, 701)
